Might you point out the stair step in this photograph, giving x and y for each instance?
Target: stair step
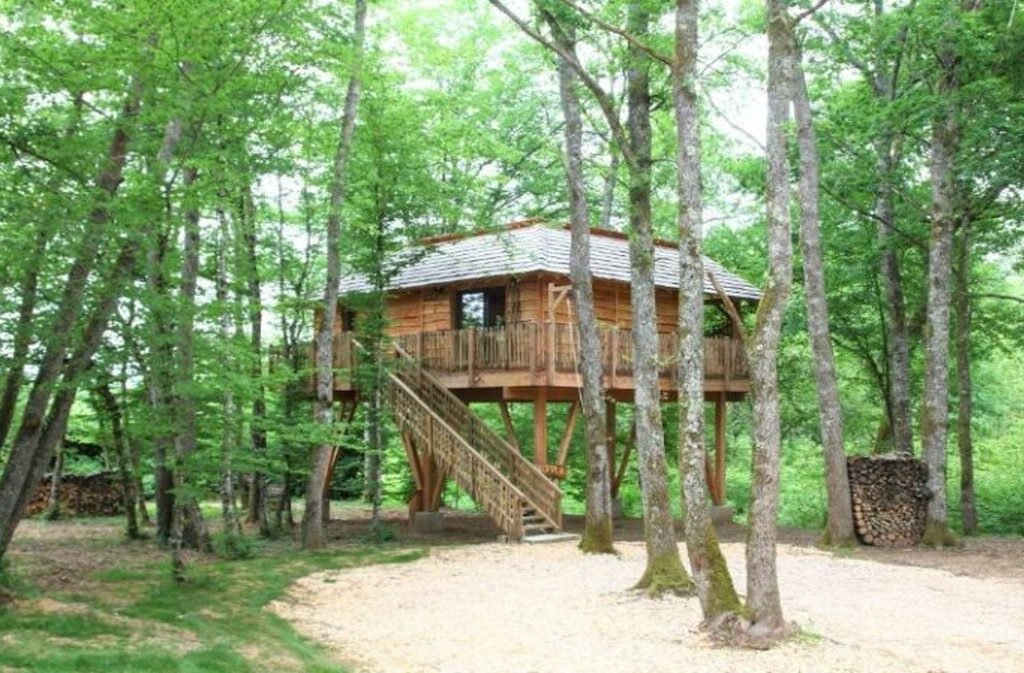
(549, 537)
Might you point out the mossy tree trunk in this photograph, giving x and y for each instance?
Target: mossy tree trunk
(664, 571)
(763, 599)
(710, 573)
(597, 530)
(935, 406)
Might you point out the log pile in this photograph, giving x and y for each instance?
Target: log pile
(95, 495)
(890, 499)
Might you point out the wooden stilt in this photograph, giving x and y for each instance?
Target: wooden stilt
(510, 429)
(620, 472)
(610, 431)
(540, 428)
(718, 497)
(570, 425)
(346, 412)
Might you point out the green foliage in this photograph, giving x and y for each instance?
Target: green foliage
(134, 618)
(233, 547)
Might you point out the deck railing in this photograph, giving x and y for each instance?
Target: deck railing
(545, 347)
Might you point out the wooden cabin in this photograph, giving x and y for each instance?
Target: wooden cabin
(489, 317)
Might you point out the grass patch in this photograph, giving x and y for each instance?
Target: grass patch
(134, 617)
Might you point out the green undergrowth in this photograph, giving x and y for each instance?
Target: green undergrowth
(133, 617)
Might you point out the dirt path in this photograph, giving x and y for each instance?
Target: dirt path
(547, 608)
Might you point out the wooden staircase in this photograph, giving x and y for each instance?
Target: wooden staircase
(512, 490)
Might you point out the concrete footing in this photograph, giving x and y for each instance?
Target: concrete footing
(427, 522)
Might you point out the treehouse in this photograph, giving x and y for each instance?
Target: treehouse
(489, 317)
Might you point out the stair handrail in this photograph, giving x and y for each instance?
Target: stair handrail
(517, 497)
(539, 491)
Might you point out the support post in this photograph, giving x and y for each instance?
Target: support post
(718, 494)
(540, 427)
(510, 429)
(570, 425)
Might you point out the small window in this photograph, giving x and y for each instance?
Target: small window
(348, 320)
(480, 308)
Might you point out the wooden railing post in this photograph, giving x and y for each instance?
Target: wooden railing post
(471, 353)
(551, 351)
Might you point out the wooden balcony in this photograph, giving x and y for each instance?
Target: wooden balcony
(532, 354)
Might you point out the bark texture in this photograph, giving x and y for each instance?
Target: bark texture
(763, 597)
(323, 409)
(839, 526)
(935, 406)
(964, 439)
(711, 575)
(597, 530)
(664, 570)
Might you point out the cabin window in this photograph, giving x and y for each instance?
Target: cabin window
(480, 308)
(348, 320)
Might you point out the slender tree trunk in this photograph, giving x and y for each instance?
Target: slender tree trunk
(897, 337)
(763, 599)
(112, 410)
(22, 334)
(664, 571)
(611, 180)
(190, 530)
(962, 304)
(597, 530)
(161, 339)
(229, 515)
(53, 504)
(47, 435)
(312, 520)
(710, 573)
(839, 526)
(935, 407)
(258, 513)
(24, 456)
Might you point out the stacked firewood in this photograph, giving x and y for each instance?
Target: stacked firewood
(890, 499)
(95, 495)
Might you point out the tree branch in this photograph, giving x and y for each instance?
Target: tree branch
(625, 34)
(600, 95)
(809, 11)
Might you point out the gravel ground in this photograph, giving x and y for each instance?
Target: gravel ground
(548, 608)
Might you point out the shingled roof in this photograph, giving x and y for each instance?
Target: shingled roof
(532, 247)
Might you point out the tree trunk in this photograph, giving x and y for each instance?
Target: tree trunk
(16, 482)
(962, 304)
(312, 520)
(190, 529)
(107, 403)
(53, 504)
(935, 407)
(839, 526)
(161, 339)
(258, 512)
(897, 336)
(664, 571)
(39, 448)
(597, 530)
(710, 573)
(229, 515)
(22, 334)
(763, 598)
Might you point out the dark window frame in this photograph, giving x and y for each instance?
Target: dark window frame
(494, 305)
